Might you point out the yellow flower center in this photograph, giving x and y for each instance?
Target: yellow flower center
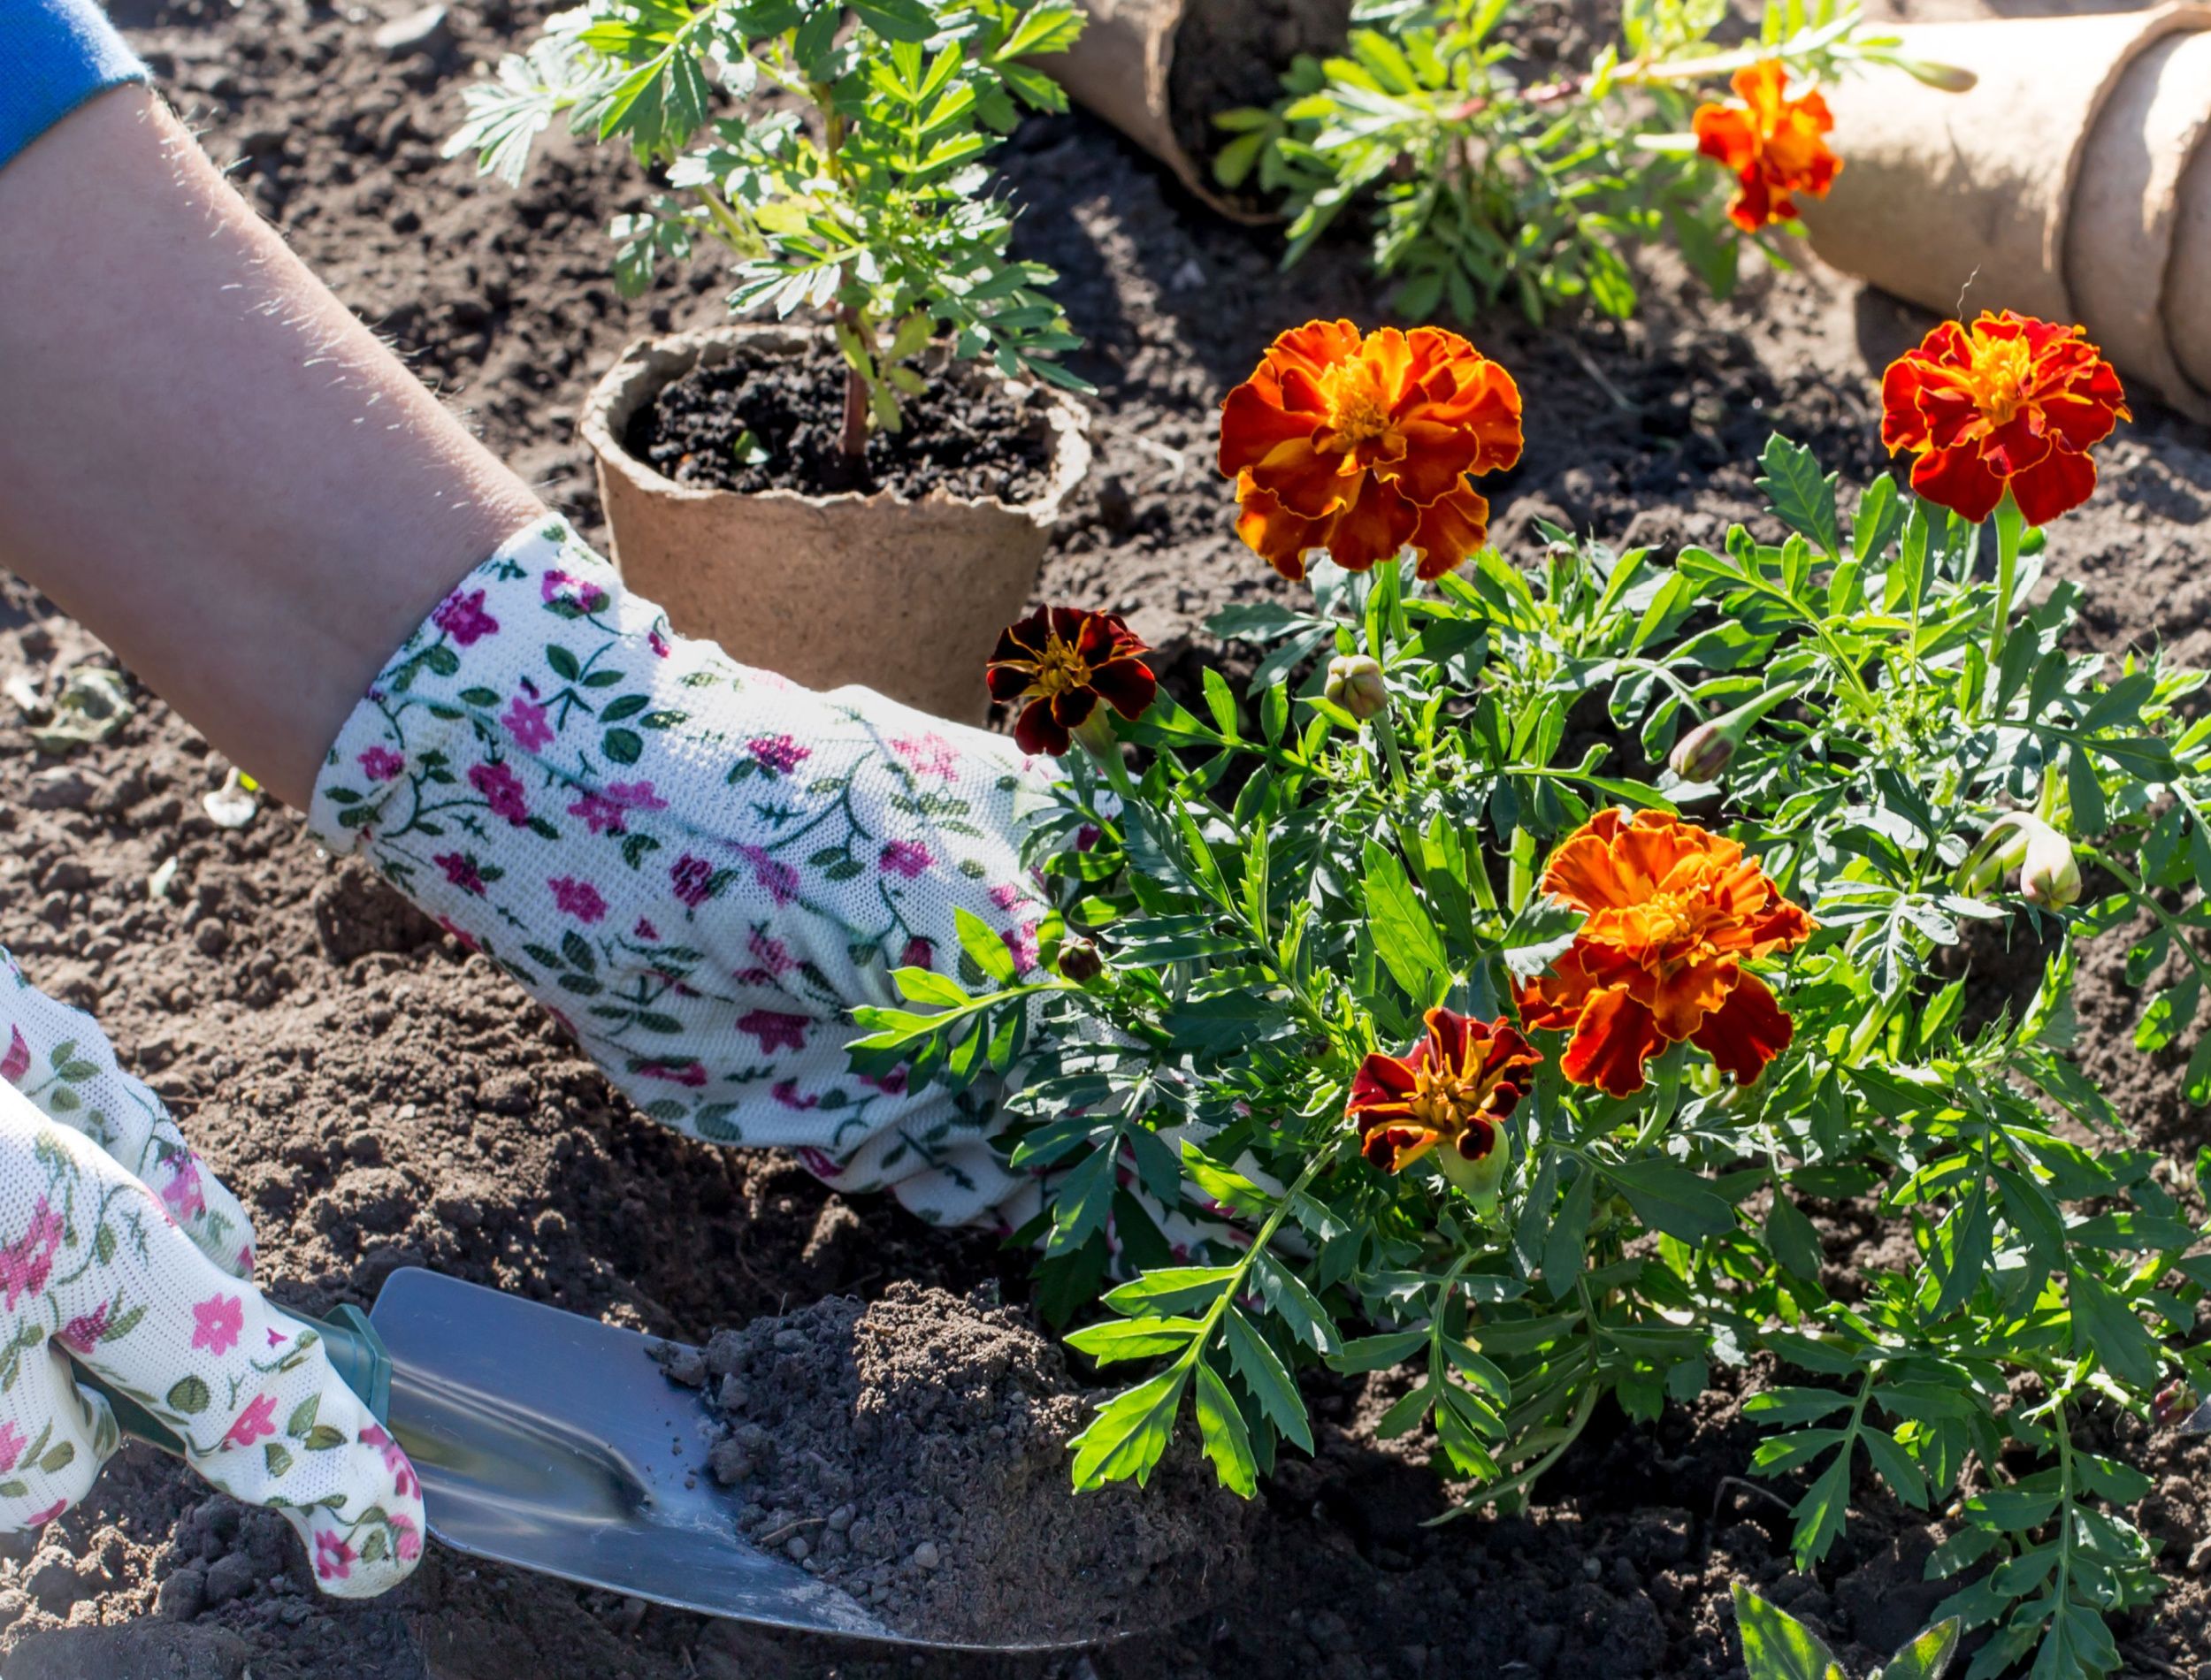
(1444, 1103)
(1998, 378)
(1060, 669)
(1666, 919)
(1358, 412)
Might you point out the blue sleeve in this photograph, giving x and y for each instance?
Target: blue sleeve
(54, 55)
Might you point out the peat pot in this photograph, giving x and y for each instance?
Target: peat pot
(903, 596)
(1161, 70)
(2071, 181)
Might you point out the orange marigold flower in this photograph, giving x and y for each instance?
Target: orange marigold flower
(1449, 1093)
(1058, 663)
(1772, 143)
(2008, 403)
(1674, 913)
(1363, 446)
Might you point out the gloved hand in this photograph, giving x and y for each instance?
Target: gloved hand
(698, 867)
(118, 1245)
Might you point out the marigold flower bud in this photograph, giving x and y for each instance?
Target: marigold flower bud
(1704, 754)
(2049, 875)
(1080, 962)
(1355, 683)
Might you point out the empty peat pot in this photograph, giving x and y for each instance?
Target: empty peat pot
(903, 595)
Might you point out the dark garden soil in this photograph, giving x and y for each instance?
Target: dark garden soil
(381, 1098)
(772, 422)
(914, 1450)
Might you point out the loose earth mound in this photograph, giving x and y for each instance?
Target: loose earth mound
(913, 1452)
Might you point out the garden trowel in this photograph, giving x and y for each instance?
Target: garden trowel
(556, 1444)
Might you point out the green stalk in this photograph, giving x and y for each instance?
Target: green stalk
(2010, 525)
(1519, 879)
(1234, 1286)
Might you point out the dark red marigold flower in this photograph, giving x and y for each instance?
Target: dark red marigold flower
(1450, 1093)
(1058, 663)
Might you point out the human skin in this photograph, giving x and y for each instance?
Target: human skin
(204, 458)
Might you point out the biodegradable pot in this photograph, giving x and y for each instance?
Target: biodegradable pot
(905, 596)
(1123, 67)
(2070, 182)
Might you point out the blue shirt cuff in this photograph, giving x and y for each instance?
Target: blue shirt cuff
(58, 54)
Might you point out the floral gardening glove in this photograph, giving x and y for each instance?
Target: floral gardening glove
(119, 1247)
(698, 867)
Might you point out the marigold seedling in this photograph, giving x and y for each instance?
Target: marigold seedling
(861, 197)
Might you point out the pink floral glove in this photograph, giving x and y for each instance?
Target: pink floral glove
(698, 867)
(118, 1246)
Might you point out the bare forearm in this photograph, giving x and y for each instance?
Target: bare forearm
(203, 456)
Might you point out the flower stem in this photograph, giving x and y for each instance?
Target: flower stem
(1519, 879)
(853, 440)
(1583, 1408)
(1235, 1285)
(2010, 524)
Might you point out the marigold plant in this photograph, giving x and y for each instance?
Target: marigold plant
(1486, 174)
(1453, 1034)
(832, 154)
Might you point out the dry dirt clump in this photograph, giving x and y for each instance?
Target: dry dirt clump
(914, 1451)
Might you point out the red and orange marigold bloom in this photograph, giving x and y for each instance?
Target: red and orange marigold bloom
(1773, 144)
(1450, 1093)
(1364, 446)
(2008, 403)
(1674, 914)
(1058, 663)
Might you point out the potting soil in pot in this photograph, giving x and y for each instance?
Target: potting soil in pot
(1229, 54)
(765, 422)
(913, 1452)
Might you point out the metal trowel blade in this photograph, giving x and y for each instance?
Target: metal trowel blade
(555, 1443)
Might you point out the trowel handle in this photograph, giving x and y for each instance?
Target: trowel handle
(356, 1352)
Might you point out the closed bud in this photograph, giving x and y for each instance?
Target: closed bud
(1704, 754)
(1080, 962)
(1355, 683)
(2050, 875)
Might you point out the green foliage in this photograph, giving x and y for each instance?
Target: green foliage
(1282, 891)
(861, 195)
(1777, 1647)
(1484, 178)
